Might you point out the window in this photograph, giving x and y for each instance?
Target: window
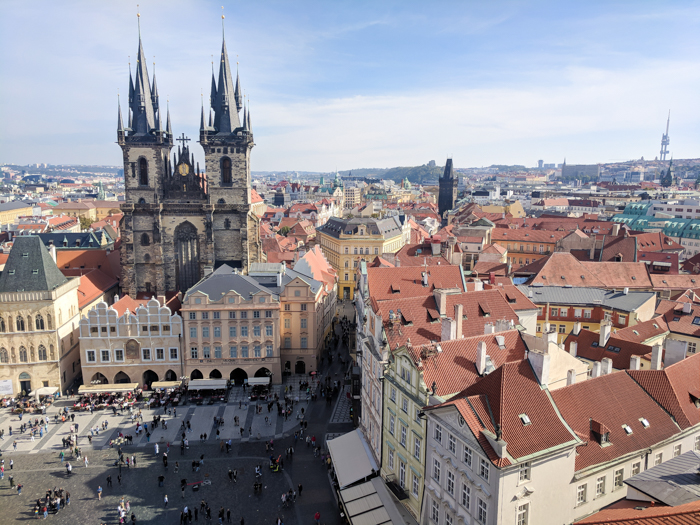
(417, 415)
(261, 300)
(659, 458)
(217, 315)
(232, 331)
(577, 312)
(145, 240)
(160, 354)
(677, 450)
(618, 476)
(636, 468)
(697, 442)
(587, 314)
(287, 323)
(416, 486)
(268, 330)
(256, 314)
(483, 469)
(257, 351)
(468, 455)
(194, 353)
(452, 443)
(303, 308)
(563, 312)
(555, 312)
(217, 332)
(205, 331)
(437, 434)
(392, 424)
(287, 342)
(233, 351)
(304, 343)
(256, 331)
(303, 323)
(562, 328)
(2, 325)
(226, 171)
(90, 356)
(39, 322)
(119, 355)
(416, 448)
(297, 293)
(197, 300)
(205, 315)
(481, 508)
(217, 352)
(20, 323)
(466, 496)
(143, 172)
(522, 516)
(268, 351)
(391, 459)
(173, 354)
(206, 352)
(600, 487)
(622, 319)
(268, 314)
(193, 332)
(450, 483)
(41, 353)
(436, 470)
(392, 394)
(231, 315)
(244, 315)
(193, 316)
(435, 512)
(402, 474)
(692, 348)
(402, 440)
(524, 474)
(244, 331)
(404, 405)
(146, 354)
(581, 494)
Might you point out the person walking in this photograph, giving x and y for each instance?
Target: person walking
(99, 492)
(12, 463)
(300, 489)
(86, 462)
(165, 500)
(317, 517)
(119, 479)
(19, 489)
(109, 481)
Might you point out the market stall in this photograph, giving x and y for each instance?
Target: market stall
(119, 395)
(166, 393)
(47, 392)
(207, 391)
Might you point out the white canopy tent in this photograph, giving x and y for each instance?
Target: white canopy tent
(258, 381)
(44, 391)
(165, 384)
(107, 388)
(207, 384)
(351, 458)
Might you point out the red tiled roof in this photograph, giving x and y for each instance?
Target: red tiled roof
(419, 255)
(692, 265)
(486, 267)
(255, 196)
(499, 399)
(677, 321)
(656, 242)
(407, 281)
(643, 331)
(511, 293)
(502, 235)
(618, 350)
(673, 282)
(379, 262)
(493, 248)
(93, 284)
(86, 260)
(612, 400)
(127, 302)
(673, 387)
(686, 514)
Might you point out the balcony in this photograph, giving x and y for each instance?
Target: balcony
(393, 485)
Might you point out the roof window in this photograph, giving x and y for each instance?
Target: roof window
(676, 319)
(25, 255)
(696, 320)
(627, 429)
(525, 420)
(644, 421)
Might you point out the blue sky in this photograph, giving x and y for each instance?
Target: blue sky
(364, 84)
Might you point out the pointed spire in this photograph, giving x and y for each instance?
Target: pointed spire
(202, 122)
(226, 117)
(238, 94)
(142, 102)
(168, 127)
(250, 125)
(211, 119)
(131, 85)
(154, 88)
(120, 122)
(245, 119)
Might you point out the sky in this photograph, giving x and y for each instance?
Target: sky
(363, 84)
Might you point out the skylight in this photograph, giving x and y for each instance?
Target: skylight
(524, 419)
(627, 429)
(645, 422)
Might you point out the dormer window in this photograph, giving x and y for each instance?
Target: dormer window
(524, 419)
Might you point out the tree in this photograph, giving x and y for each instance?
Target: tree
(284, 230)
(85, 223)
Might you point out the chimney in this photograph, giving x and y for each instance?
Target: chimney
(616, 229)
(570, 377)
(551, 337)
(481, 358)
(52, 250)
(573, 348)
(492, 277)
(605, 366)
(626, 290)
(478, 285)
(686, 306)
(279, 279)
(441, 300)
(208, 270)
(116, 297)
(604, 334)
(161, 300)
(424, 278)
(635, 362)
(489, 328)
(577, 327)
(656, 356)
(596, 369)
(448, 329)
(435, 246)
(540, 362)
(459, 314)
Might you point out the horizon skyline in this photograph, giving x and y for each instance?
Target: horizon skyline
(338, 86)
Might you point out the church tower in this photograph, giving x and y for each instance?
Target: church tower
(227, 146)
(448, 190)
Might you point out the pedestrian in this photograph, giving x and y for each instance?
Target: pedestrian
(300, 489)
(19, 489)
(156, 449)
(109, 481)
(86, 461)
(12, 481)
(165, 500)
(119, 479)
(228, 515)
(317, 517)
(99, 492)
(12, 463)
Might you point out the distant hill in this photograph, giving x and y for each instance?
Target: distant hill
(415, 174)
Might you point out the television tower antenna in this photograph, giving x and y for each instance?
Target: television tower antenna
(665, 140)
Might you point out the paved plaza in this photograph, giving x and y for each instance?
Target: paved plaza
(38, 467)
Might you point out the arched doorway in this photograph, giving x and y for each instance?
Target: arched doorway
(238, 376)
(196, 374)
(25, 383)
(300, 367)
(287, 366)
(100, 377)
(121, 377)
(187, 251)
(149, 377)
(170, 376)
(263, 372)
(215, 374)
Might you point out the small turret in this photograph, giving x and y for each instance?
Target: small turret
(238, 93)
(120, 122)
(168, 127)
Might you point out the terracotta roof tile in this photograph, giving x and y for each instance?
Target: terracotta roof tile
(408, 279)
(618, 350)
(643, 331)
(93, 284)
(612, 400)
(687, 514)
(127, 303)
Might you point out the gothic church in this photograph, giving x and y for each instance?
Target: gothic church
(180, 221)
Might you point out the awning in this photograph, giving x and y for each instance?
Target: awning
(258, 381)
(108, 388)
(165, 384)
(351, 458)
(207, 384)
(371, 503)
(44, 391)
